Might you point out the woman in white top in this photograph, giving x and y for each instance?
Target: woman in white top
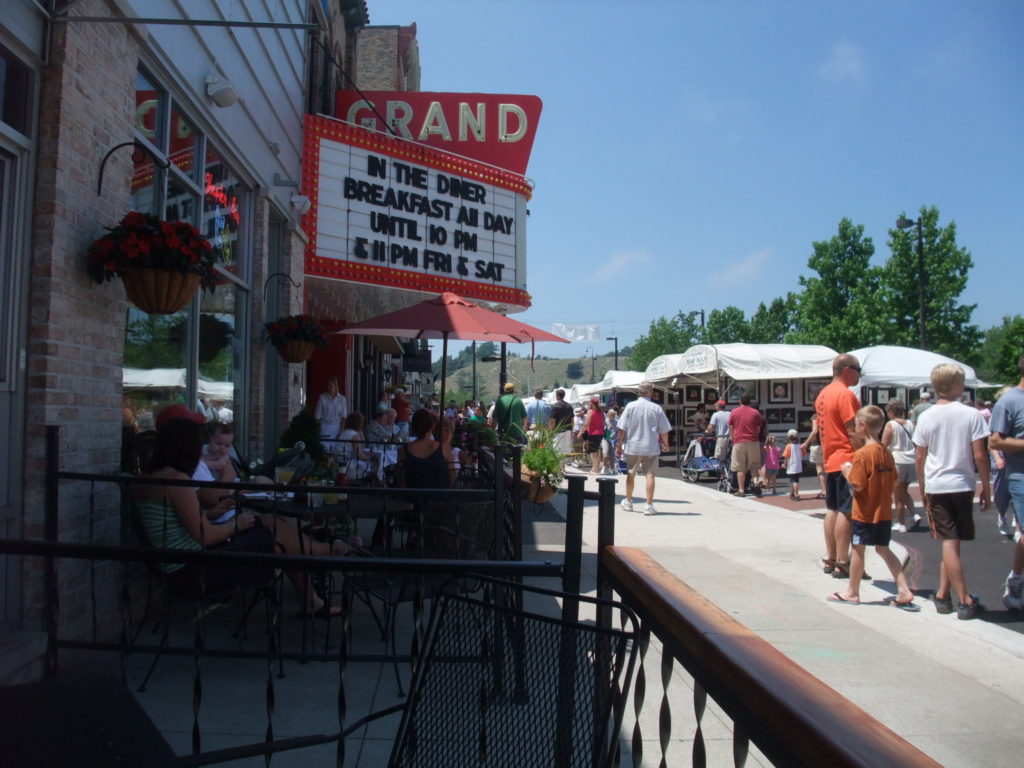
(898, 436)
(350, 450)
(331, 410)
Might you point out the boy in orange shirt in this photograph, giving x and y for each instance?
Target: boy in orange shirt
(872, 475)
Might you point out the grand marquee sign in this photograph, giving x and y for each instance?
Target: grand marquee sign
(390, 212)
(497, 129)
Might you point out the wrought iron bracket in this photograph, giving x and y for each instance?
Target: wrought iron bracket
(280, 275)
(136, 157)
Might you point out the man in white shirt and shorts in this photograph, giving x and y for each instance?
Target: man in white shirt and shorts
(643, 435)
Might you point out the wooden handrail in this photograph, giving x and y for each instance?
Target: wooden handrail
(792, 716)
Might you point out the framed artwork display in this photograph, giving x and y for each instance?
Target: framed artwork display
(812, 388)
(688, 417)
(787, 415)
(773, 415)
(740, 388)
(710, 396)
(693, 393)
(804, 421)
(780, 392)
(671, 413)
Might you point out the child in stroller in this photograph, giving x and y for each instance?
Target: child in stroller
(699, 458)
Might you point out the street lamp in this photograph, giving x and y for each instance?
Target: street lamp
(700, 312)
(904, 223)
(616, 340)
(503, 371)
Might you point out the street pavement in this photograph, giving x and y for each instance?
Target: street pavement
(953, 688)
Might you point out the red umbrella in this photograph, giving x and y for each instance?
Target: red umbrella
(450, 316)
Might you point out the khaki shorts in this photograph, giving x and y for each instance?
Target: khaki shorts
(721, 448)
(746, 457)
(645, 464)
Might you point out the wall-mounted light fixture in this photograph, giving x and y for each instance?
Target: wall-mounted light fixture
(302, 204)
(220, 89)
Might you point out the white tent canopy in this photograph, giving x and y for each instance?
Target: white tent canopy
(581, 392)
(904, 367)
(625, 381)
(174, 378)
(743, 362)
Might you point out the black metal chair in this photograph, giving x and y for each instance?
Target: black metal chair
(247, 596)
(500, 684)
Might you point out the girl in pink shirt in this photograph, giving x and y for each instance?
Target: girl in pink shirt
(771, 453)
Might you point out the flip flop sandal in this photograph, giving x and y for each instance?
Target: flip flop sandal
(827, 565)
(842, 571)
(910, 606)
(835, 597)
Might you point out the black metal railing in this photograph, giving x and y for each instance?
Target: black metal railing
(98, 493)
(792, 717)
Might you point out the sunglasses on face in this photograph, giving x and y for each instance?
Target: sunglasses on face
(854, 367)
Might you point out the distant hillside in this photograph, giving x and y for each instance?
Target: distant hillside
(544, 374)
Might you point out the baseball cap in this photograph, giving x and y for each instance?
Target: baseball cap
(172, 412)
(792, 433)
(595, 399)
(720, 402)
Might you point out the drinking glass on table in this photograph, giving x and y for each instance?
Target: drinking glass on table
(283, 475)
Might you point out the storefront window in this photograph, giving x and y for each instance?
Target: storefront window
(195, 357)
(183, 145)
(224, 203)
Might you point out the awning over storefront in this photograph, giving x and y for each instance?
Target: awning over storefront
(743, 362)
(389, 345)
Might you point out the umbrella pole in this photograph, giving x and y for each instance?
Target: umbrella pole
(444, 369)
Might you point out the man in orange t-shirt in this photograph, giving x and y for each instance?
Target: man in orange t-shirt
(837, 408)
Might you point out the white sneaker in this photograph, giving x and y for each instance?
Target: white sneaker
(649, 510)
(627, 505)
(1012, 593)
(899, 528)
(1004, 526)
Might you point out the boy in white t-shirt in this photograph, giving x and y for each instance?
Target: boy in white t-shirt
(950, 440)
(793, 460)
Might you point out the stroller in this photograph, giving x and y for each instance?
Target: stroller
(699, 459)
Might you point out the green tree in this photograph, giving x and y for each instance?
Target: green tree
(727, 326)
(574, 370)
(1003, 347)
(948, 329)
(771, 324)
(841, 307)
(666, 336)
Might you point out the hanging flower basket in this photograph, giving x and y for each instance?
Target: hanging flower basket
(296, 350)
(159, 291)
(296, 337)
(162, 264)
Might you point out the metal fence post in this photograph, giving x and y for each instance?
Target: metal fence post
(50, 533)
(573, 537)
(605, 538)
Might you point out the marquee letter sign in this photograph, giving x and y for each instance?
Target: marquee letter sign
(390, 212)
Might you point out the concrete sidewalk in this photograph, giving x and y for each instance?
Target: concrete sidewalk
(952, 688)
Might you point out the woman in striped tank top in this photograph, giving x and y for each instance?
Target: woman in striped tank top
(173, 519)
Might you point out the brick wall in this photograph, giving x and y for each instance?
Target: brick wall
(377, 59)
(76, 328)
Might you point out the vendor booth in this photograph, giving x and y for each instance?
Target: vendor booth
(784, 379)
(902, 372)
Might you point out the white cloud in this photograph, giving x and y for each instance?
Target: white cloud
(619, 265)
(846, 62)
(745, 271)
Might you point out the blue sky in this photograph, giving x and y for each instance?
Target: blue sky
(689, 153)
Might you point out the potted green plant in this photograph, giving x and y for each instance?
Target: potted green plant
(541, 465)
(296, 336)
(161, 264)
